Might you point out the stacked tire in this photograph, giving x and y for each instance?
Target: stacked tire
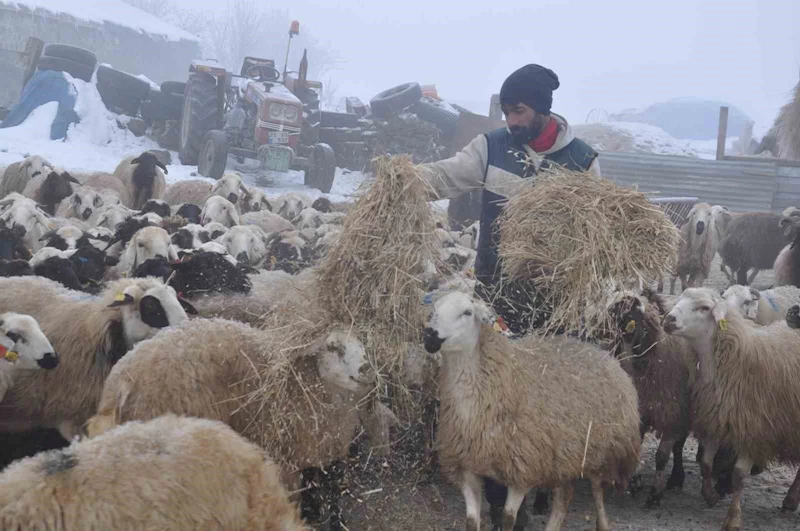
(395, 100)
(121, 92)
(77, 62)
(165, 104)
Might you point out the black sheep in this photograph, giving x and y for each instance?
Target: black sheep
(11, 245)
(156, 206)
(55, 188)
(15, 268)
(127, 229)
(144, 176)
(198, 273)
(90, 264)
(190, 213)
(59, 269)
(322, 204)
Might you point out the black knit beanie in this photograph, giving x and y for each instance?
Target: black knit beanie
(532, 85)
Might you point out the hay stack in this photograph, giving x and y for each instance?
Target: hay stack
(572, 234)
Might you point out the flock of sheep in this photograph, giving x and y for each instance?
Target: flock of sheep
(132, 316)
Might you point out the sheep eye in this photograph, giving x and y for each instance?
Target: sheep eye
(468, 313)
(13, 336)
(704, 308)
(141, 246)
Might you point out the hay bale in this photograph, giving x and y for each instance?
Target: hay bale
(573, 235)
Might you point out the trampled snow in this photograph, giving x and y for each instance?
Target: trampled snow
(112, 11)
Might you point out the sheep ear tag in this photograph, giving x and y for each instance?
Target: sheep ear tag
(121, 299)
(631, 326)
(723, 324)
(9, 355)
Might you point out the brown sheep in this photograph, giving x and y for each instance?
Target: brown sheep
(753, 241)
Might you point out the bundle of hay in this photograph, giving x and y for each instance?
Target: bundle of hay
(574, 236)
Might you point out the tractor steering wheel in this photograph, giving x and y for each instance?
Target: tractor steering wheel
(263, 73)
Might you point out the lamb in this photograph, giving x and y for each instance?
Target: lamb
(220, 210)
(18, 174)
(212, 364)
(90, 335)
(189, 212)
(757, 366)
(255, 200)
(266, 221)
(23, 347)
(143, 176)
(576, 412)
(81, 204)
(701, 235)
(291, 204)
(181, 474)
(662, 368)
(248, 244)
(49, 190)
(192, 191)
(763, 307)
(753, 241)
(109, 186)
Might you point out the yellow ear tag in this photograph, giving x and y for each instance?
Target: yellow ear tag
(631, 326)
(11, 355)
(120, 297)
(723, 324)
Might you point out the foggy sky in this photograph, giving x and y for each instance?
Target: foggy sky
(612, 54)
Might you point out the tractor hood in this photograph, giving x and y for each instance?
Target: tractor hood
(256, 91)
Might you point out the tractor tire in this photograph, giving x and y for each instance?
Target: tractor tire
(130, 85)
(445, 120)
(321, 169)
(117, 100)
(73, 53)
(173, 87)
(395, 100)
(162, 106)
(338, 119)
(60, 64)
(199, 115)
(213, 154)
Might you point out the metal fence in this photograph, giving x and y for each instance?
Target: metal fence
(742, 186)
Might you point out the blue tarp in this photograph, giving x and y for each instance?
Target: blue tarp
(46, 86)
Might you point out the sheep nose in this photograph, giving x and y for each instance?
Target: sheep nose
(86, 213)
(242, 258)
(670, 323)
(363, 370)
(701, 226)
(48, 361)
(233, 198)
(432, 341)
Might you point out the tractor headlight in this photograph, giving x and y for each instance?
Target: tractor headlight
(276, 111)
(290, 113)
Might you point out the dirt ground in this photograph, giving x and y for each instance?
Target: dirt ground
(420, 504)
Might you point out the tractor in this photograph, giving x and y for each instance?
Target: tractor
(254, 115)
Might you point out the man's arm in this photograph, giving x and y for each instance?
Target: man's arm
(594, 167)
(461, 173)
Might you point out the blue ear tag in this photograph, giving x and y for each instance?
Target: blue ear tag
(428, 299)
(772, 303)
(83, 259)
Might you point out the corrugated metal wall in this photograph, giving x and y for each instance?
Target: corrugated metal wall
(741, 186)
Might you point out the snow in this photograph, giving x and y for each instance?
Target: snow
(111, 11)
(631, 137)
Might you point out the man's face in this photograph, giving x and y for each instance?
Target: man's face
(524, 123)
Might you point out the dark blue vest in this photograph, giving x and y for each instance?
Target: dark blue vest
(576, 156)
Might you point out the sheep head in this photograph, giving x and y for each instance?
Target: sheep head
(55, 188)
(628, 312)
(220, 210)
(229, 187)
(256, 201)
(35, 165)
(24, 344)
(789, 223)
(11, 245)
(308, 219)
(190, 212)
(68, 237)
(455, 324)
(215, 229)
(697, 314)
(342, 363)
(793, 317)
(322, 204)
(147, 243)
(743, 298)
(157, 207)
(190, 236)
(247, 244)
(291, 205)
(84, 202)
(111, 216)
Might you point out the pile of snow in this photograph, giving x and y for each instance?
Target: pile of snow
(102, 11)
(629, 137)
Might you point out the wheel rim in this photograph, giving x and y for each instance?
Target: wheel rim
(185, 124)
(208, 154)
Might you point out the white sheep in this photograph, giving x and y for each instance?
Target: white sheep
(180, 473)
(290, 204)
(762, 307)
(81, 204)
(110, 216)
(147, 243)
(574, 410)
(18, 174)
(746, 396)
(90, 334)
(255, 200)
(23, 347)
(308, 219)
(190, 236)
(111, 189)
(65, 237)
(266, 221)
(143, 176)
(230, 187)
(248, 244)
(221, 210)
(215, 229)
(27, 215)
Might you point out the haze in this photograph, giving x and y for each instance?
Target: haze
(613, 55)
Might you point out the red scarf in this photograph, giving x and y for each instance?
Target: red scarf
(547, 139)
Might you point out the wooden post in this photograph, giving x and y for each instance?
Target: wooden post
(33, 52)
(722, 133)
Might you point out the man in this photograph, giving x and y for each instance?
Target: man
(498, 162)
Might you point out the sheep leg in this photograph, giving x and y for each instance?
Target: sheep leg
(792, 499)
(672, 281)
(599, 505)
(68, 430)
(562, 496)
(471, 490)
(660, 287)
(741, 276)
(733, 522)
(677, 476)
(710, 495)
(514, 499)
(662, 458)
(752, 276)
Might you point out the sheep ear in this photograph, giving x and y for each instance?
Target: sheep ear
(188, 307)
(114, 344)
(233, 218)
(70, 178)
(720, 310)
(137, 160)
(245, 191)
(122, 299)
(47, 235)
(755, 293)
(111, 261)
(161, 165)
(267, 204)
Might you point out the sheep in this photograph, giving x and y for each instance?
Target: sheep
(23, 347)
(157, 206)
(248, 244)
(229, 186)
(753, 241)
(147, 243)
(49, 190)
(190, 191)
(143, 176)
(746, 394)
(322, 204)
(308, 218)
(18, 174)
(190, 236)
(200, 272)
(700, 241)
(220, 210)
(180, 473)
(12, 246)
(111, 189)
(110, 216)
(100, 236)
(190, 212)
(575, 412)
(288, 252)
(25, 214)
(266, 221)
(662, 368)
(56, 265)
(763, 307)
(64, 238)
(787, 264)
(81, 204)
(151, 217)
(215, 229)
(291, 204)
(255, 200)
(211, 364)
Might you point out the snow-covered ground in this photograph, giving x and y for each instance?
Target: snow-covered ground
(98, 143)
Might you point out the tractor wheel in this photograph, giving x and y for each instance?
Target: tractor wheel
(199, 115)
(73, 53)
(213, 154)
(62, 64)
(395, 100)
(173, 87)
(321, 168)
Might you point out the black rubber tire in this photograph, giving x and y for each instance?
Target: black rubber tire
(117, 100)
(338, 119)
(441, 118)
(73, 68)
(395, 99)
(173, 87)
(73, 53)
(331, 135)
(199, 115)
(162, 106)
(321, 169)
(213, 154)
(130, 85)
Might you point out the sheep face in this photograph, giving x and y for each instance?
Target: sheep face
(26, 215)
(220, 210)
(291, 206)
(84, 202)
(190, 236)
(65, 238)
(149, 242)
(35, 165)
(629, 312)
(793, 317)
(696, 314)
(11, 244)
(215, 229)
(246, 245)
(229, 187)
(455, 324)
(322, 204)
(148, 306)
(743, 298)
(21, 334)
(55, 188)
(308, 219)
(700, 218)
(190, 212)
(789, 223)
(256, 201)
(343, 362)
(288, 253)
(156, 206)
(111, 216)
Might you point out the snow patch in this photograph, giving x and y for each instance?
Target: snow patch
(30, 133)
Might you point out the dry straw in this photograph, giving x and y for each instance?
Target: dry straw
(570, 234)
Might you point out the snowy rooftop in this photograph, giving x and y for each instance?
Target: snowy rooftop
(101, 11)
